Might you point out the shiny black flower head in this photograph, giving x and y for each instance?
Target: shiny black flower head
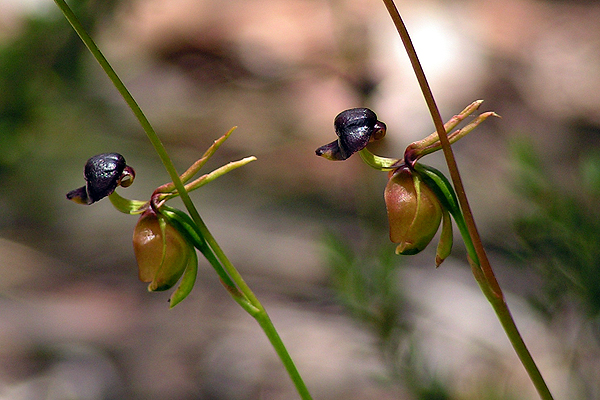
(103, 173)
(355, 128)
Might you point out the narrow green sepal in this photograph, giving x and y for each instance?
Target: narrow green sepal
(187, 281)
(447, 196)
(446, 239)
(188, 228)
(185, 226)
(436, 180)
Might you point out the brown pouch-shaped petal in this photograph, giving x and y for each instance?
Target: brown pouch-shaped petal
(414, 211)
(162, 253)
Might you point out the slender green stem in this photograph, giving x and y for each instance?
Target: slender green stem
(267, 325)
(259, 312)
(483, 271)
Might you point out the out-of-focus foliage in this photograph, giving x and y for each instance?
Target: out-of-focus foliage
(559, 236)
(41, 65)
(366, 284)
(366, 281)
(561, 232)
(44, 105)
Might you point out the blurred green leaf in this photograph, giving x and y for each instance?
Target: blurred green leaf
(560, 234)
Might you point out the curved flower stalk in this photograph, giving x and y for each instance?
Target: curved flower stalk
(482, 270)
(418, 198)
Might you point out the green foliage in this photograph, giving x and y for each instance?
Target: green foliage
(560, 234)
(366, 282)
(47, 113)
(41, 66)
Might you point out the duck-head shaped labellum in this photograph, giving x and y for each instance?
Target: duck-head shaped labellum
(355, 128)
(103, 173)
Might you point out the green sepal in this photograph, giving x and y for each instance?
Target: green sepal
(436, 180)
(187, 281)
(185, 226)
(127, 206)
(446, 239)
(447, 196)
(188, 228)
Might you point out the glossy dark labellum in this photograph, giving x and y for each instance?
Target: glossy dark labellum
(103, 173)
(355, 128)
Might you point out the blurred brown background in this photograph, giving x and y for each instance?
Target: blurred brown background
(309, 235)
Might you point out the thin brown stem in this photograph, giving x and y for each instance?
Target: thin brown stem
(482, 270)
(441, 131)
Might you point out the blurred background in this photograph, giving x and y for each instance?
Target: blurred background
(310, 236)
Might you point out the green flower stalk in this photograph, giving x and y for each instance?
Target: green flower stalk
(194, 227)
